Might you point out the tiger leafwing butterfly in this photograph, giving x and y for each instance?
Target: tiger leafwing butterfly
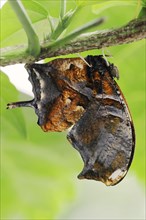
(71, 92)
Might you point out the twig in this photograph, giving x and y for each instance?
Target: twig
(133, 31)
(33, 41)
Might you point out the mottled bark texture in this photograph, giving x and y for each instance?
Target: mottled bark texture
(133, 31)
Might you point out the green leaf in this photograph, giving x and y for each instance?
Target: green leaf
(143, 3)
(14, 34)
(97, 8)
(108, 9)
(53, 7)
(12, 121)
(36, 7)
(142, 13)
(8, 19)
(82, 3)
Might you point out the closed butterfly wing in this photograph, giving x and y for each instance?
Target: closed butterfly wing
(104, 137)
(69, 92)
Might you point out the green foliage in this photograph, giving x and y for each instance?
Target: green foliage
(142, 13)
(44, 13)
(16, 124)
(36, 170)
(143, 3)
(39, 169)
(33, 42)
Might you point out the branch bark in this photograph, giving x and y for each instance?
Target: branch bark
(133, 31)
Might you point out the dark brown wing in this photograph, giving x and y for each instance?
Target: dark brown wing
(104, 137)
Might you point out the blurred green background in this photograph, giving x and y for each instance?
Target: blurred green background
(39, 169)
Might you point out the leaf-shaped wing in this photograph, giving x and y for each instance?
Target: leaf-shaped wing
(104, 136)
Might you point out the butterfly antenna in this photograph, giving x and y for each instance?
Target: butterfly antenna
(20, 104)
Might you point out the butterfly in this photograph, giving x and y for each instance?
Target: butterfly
(81, 94)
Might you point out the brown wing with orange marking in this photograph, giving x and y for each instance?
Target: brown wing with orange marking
(67, 92)
(104, 135)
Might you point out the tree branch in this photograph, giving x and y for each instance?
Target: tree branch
(133, 31)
